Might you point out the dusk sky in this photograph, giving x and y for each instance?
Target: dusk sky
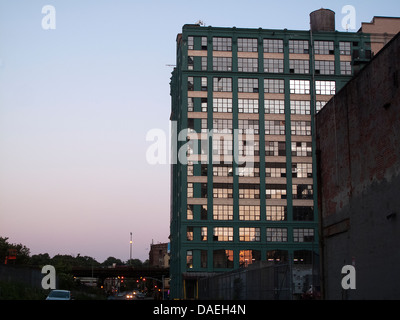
(77, 101)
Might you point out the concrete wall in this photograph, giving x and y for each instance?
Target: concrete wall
(358, 141)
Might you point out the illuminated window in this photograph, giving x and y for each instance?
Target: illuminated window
(223, 212)
(249, 234)
(276, 213)
(223, 234)
(249, 213)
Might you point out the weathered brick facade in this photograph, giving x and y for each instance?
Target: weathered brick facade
(358, 141)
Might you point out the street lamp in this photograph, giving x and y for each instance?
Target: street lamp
(130, 257)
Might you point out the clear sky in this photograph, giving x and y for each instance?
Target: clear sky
(77, 101)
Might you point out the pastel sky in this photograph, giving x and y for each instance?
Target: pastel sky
(77, 102)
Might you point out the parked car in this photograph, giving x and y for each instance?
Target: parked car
(59, 295)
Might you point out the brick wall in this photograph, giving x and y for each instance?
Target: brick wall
(358, 141)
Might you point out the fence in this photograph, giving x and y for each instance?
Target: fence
(28, 276)
(259, 282)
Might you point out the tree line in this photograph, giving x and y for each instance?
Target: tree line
(60, 261)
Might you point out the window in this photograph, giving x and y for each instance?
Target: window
(203, 83)
(345, 67)
(189, 259)
(248, 85)
(190, 168)
(276, 213)
(249, 191)
(248, 106)
(302, 191)
(222, 64)
(190, 104)
(273, 65)
(300, 107)
(319, 105)
(189, 233)
(203, 233)
(247, 64)
(249, 213)
(324, 67)
(298, 46)
(190, 43)
(223, 234)
(222, 126)
(222, 84)
(325, 87)
(249, 147)
(274, 106)
(203, 43)
(190, 83)
(222, 212)
(275, 191)
(274, 86)
(275, 127)
(190, 190)
(222, 147)
(247, 45)
(303, 235)
(222, 44)
(223, 190)
(203, 212)
(299, 66)
(276, 234)
(248, 126)
(203, 257)
(204, 104)
(301, 128)
(204, 63)
(222, 170)
(189, 212)
(273, 45)
(247, 257)
(204, 123)
(190, 63)
(345, 48)
(222, 105)
(249, 234)
(301, 149)
(275, 169)
(250, 170)
(275, 148)
(302, 170)
(323, 47)
(301, 213)
(300, 86)
(223, 258)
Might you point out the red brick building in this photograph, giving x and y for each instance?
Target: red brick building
(358, 141)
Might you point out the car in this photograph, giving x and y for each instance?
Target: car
(59, 295)
(140, 295)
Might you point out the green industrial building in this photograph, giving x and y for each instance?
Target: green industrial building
(243, 179)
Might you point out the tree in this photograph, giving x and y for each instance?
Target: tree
(40, 259)
(136, 263)
(111, 260)
(22, 256)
